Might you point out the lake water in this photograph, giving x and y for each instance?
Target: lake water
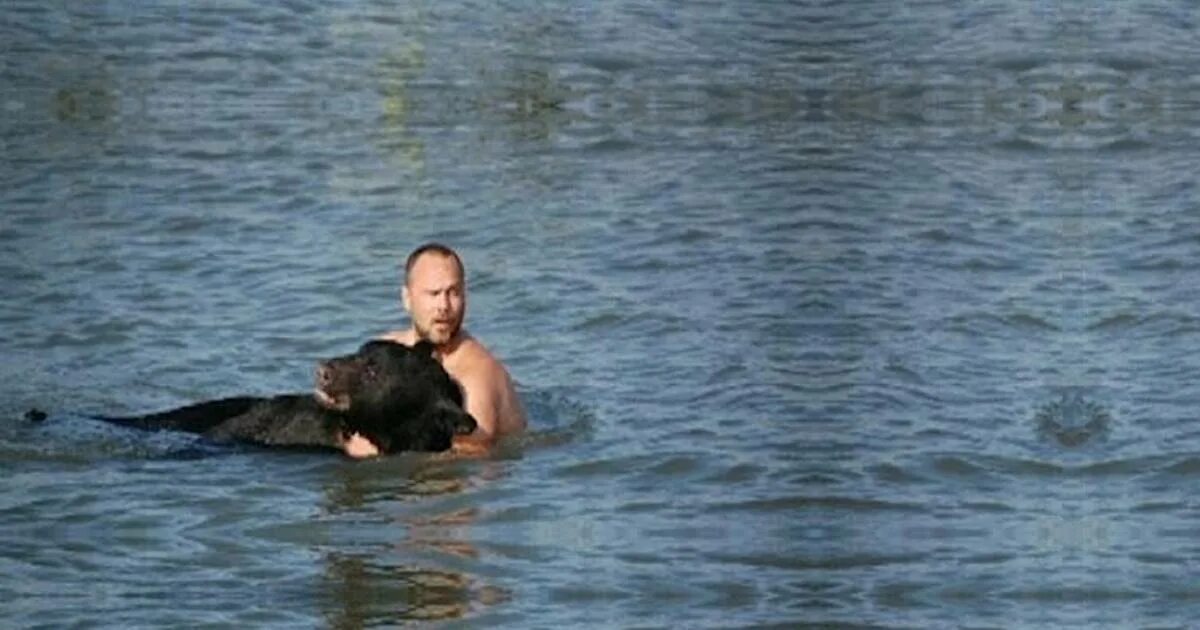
(870, 314)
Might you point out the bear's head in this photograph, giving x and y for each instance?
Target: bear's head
(398, 397)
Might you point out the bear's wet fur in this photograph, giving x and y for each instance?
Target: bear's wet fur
(398, 397)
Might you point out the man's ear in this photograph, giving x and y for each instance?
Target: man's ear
(405, 299)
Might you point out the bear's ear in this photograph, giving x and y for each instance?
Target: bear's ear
(425, 347)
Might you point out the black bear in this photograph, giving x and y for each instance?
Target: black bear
(400, 398)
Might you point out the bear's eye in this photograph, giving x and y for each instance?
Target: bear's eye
(369, 369)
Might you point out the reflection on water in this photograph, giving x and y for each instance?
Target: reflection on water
(363, 592)
(386, 583)
(397, 48)
(400, 478)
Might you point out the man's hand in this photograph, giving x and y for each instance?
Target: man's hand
(359, 447)
(469, 446)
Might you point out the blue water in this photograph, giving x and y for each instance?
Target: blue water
(851, 314)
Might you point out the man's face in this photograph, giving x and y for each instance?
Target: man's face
(435, 297)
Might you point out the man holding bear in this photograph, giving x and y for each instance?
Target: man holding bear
(435, 296)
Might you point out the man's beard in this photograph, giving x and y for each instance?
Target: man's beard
(428, 334)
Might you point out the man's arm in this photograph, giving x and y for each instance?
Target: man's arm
(480, 400)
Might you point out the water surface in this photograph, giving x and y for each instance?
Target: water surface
(863, 313)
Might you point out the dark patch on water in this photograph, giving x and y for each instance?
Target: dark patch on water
(1073, 421)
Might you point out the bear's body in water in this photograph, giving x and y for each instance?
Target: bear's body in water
(399, 398)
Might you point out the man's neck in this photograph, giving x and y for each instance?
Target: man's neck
(447, 349)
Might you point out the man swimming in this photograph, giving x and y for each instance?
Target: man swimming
(435, 295)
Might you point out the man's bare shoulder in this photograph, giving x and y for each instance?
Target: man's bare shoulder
(472, 357)
(481, 371)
